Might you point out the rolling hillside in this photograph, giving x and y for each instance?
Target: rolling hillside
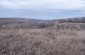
(42, 37)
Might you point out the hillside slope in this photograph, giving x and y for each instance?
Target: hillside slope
(42, 37)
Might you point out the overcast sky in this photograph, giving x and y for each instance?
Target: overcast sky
(42, 9)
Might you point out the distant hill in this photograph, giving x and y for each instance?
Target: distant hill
(26, 23)
(73, 20)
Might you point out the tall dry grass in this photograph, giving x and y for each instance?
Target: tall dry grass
(42, 42)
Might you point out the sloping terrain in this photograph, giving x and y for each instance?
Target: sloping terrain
(62, 38)
(71, 26)
(27, 23)
(24, 23)
(42, 42)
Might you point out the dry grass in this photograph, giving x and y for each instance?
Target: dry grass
(42, 42)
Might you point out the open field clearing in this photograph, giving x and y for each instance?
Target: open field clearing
(41, 37)
(42, 42)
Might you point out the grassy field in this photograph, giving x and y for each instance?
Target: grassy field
(47, 41)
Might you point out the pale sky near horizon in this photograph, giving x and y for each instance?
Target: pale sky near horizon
(42, 9)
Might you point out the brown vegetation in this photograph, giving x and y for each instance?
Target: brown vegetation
(60, 39)
(42, 42)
